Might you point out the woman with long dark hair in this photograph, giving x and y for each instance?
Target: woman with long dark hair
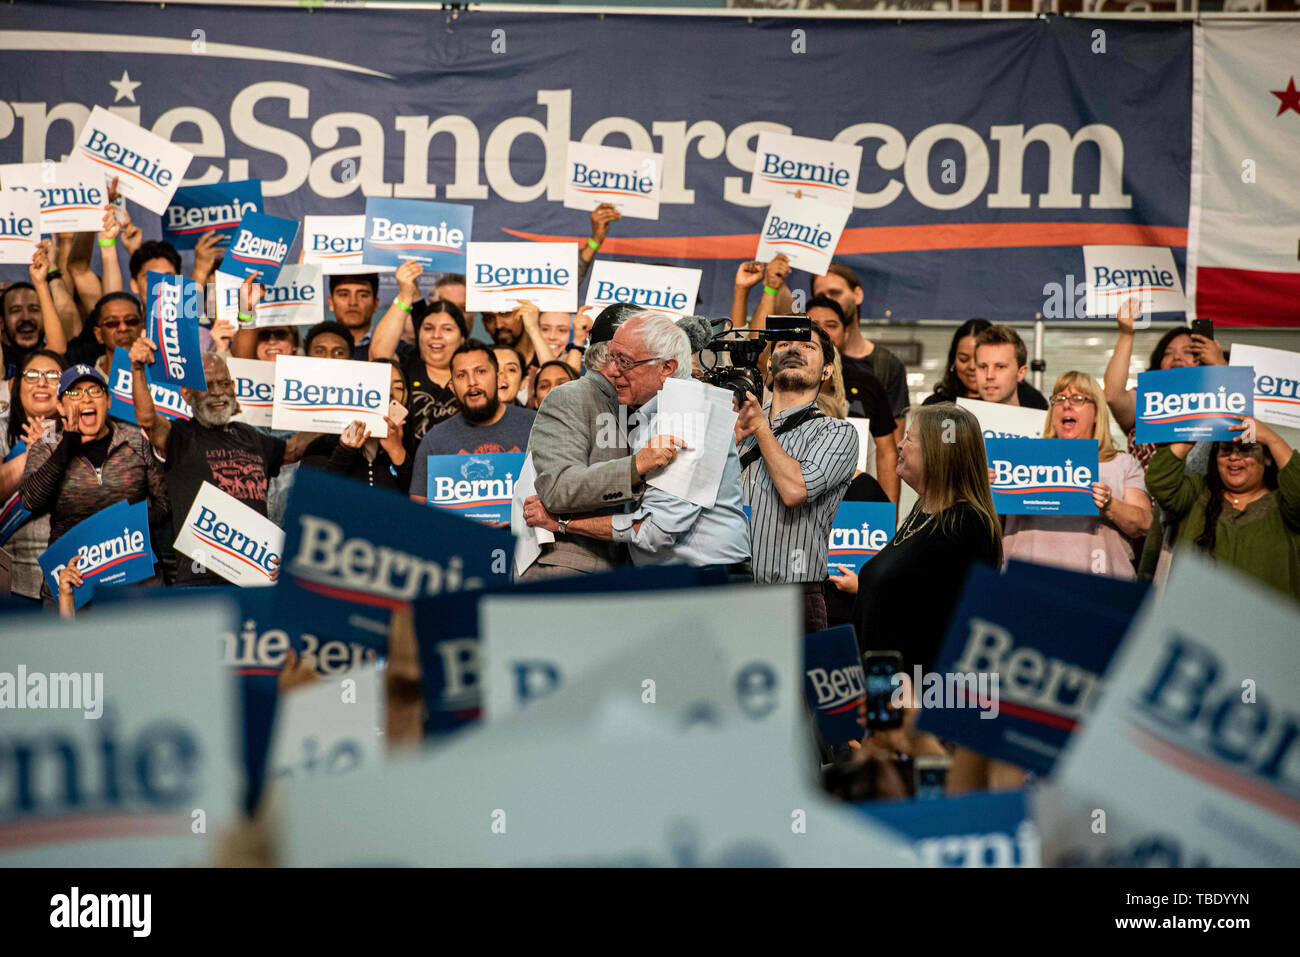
(1245, 511)
(440, 328)
(34, 409)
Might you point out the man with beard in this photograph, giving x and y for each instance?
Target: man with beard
(797, 466)
(234, 457)
(483, 426)
(30, 319)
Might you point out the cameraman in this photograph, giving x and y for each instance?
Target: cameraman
(797, 466)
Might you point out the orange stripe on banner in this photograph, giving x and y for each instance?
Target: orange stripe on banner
(895, 239)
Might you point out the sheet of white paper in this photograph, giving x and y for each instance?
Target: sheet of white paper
(702, 416)
(528, 541)
(865, 443)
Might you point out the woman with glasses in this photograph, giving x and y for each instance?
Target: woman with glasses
(95, 462)
(1102, 545)
(33, 411)
(1245, 511)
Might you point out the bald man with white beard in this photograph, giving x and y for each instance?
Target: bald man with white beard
(234, 457)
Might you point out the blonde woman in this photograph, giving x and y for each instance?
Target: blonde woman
(906, 594)
(1102, 544)
(832, 400)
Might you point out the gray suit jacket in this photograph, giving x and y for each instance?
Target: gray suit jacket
(583, 464)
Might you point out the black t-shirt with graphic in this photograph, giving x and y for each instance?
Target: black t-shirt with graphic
(238, 459)
(429, 404)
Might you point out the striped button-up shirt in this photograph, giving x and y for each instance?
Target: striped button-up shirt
(789, 544)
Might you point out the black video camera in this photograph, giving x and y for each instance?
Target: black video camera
(741, 375)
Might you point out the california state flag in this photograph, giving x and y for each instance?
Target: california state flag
(1244, 228)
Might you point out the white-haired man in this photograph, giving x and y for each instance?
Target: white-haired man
(660, 529)
(234, 457)
(583, 460)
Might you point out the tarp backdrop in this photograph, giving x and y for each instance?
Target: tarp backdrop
(993, 151)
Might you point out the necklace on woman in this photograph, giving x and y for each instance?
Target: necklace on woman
(908, 529)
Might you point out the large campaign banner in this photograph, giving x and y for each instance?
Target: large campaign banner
(993, 152)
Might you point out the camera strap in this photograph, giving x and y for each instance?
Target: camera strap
(789, 425)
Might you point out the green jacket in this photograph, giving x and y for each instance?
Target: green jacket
(1262, 539)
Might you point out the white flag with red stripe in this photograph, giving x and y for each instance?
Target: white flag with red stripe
(1244, 228)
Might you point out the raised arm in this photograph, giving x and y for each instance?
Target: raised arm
(388, 332)
(601, 217)
(1119, 397)
(748, 275)
(55, 338)
(530, 316)
(84, 281)
(156, 426)
(109, 268)
(58, 281)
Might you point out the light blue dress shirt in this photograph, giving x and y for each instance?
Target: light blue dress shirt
(675, 531)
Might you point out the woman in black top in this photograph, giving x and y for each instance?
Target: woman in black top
(907, 593)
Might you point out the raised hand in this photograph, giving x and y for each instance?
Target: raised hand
(250, 294)
(205, 253)
(142, 351)
(1129, 312)
(408, 285)
(601, 218)
(777, 271)
(39, 270)
(748, 275)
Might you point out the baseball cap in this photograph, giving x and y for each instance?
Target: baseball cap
(76, 374)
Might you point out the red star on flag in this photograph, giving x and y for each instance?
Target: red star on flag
(1290, 98)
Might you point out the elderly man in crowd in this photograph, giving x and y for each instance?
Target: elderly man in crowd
(662, 529)
(234, 457)
(579, 469)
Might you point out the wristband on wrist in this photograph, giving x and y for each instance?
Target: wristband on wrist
(768, 290)
(246, 317)
(593, 244)
(107, 242)
(53, 272)
(398, 302)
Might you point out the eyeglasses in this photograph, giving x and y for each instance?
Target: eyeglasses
(273, 334)
(35, 375)
(626, 365)
(89, 392)
(120, 323)
(1075, 399)
(1244, 449)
